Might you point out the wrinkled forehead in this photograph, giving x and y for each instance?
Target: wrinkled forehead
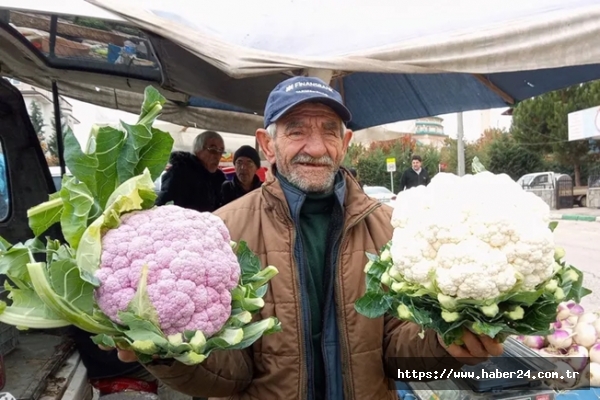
(309, 114)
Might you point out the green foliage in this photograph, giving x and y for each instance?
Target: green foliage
(37, 120)
(505, 155)
(541, 124)
(449, 155)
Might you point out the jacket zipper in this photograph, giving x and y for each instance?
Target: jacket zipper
(348, 388)
(304, 387)
(307, 326)
(330, 279)
(307, 388)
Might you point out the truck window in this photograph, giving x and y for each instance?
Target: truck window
(4, 187)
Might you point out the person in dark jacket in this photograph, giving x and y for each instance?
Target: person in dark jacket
(414, 176)
(194, 179)
(246, 161)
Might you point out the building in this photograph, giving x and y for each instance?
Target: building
(427, 131)
(430, 132)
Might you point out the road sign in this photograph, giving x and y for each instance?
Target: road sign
(391, 164)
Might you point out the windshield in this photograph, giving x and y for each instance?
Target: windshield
(526, 180)
(90, 43)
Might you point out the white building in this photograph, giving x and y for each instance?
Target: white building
(427, 131)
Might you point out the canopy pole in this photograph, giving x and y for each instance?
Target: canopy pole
(324, 74)
(460, 144)
(58, 128)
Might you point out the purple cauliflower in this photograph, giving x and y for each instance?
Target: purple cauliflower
(192, 268)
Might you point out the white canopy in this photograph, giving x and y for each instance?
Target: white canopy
(248, 38)
(216, 62)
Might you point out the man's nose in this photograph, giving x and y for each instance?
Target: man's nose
(315, 145)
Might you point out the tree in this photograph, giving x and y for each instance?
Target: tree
(481, 147)
(507, 156)
(541, 124)
(449, 156)
(37, 120)
(354, 153)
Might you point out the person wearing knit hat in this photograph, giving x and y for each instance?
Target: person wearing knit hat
(246, 162)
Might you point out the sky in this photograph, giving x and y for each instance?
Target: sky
(472, 123)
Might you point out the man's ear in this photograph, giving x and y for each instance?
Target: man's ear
(347, 138)
(267, 145)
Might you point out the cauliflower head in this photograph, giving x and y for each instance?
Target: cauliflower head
(472, 237)
(192, 268)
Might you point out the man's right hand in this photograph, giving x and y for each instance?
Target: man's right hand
(126, 356)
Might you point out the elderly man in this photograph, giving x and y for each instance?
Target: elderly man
(246, 162)
(194, 180)
(312, 220)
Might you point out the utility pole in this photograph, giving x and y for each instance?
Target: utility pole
(460, 145)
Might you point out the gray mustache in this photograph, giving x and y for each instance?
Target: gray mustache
(304, 159)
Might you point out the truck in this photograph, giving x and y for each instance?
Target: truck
(549, 179)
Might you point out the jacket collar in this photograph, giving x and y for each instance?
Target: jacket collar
(287, 202)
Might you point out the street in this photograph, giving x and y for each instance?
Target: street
(581, 241)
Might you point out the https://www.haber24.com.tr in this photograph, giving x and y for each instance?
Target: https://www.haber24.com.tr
(485, 374)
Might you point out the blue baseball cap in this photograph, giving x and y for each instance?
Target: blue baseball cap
(299, 90)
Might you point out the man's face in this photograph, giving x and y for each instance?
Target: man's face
(308, 147)
(416, 164)
(210, 155)
(245, 169)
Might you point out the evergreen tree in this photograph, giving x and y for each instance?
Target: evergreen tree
(37, 120)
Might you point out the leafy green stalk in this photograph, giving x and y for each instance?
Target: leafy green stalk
(61, 306)
(44, 215)
(140, 305)
(28, 311)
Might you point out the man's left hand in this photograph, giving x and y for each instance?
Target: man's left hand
(475, 350)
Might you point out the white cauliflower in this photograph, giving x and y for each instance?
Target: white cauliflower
(475, 236)
(474, 252)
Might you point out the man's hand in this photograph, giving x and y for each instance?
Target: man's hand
(476, 349)
(126, 356)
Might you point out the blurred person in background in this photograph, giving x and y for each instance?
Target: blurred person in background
(246, 162)
(194, 180)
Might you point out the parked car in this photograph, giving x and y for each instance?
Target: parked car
(381, 193)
